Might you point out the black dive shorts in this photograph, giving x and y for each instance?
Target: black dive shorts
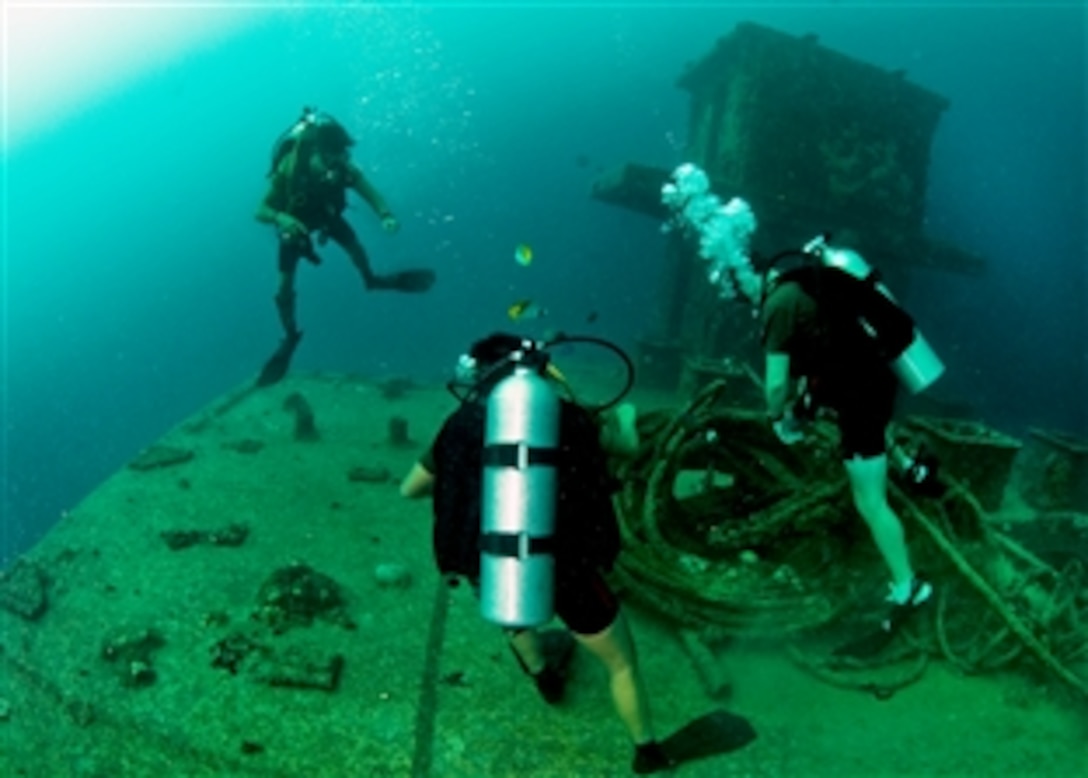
(584, 601)
(863, 419)
(296, 248)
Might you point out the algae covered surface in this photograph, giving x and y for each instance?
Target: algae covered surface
(251, 600)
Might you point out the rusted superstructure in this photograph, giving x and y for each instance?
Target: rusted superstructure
(817, 142)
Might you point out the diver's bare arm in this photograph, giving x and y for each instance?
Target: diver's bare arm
(271, 208)
(418, 483)
(366, 190)
(776, 384)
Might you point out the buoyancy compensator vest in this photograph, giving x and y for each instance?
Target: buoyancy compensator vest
(909, 354)
(848, 288)
(542, 495)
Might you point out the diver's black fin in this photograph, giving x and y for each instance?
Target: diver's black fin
(717, 732)
(419, 280)
(278, 364)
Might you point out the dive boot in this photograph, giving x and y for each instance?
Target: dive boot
(557, 646)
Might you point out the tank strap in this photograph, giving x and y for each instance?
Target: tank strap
(519, 455)
(873, 278)
(515, 544)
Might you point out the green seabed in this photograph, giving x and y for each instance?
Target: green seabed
(245, 602)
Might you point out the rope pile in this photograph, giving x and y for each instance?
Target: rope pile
(767, 543)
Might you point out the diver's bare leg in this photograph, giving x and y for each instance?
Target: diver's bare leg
(615, 649)
(344, 236)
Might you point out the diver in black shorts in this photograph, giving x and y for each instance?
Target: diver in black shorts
(311, 174)
(820, 355)
(585, 540)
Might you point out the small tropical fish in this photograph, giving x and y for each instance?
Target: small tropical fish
(524, 310)
(523, 254)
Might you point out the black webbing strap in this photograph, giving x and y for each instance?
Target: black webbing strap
(519, 455)
(517, 545)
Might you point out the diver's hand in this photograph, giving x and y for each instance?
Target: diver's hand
(390, 223)
(289, 226)
(788, 429)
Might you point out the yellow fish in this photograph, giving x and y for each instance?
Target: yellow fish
(523, 254)
(524, 310)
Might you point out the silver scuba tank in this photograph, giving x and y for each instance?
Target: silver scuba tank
(518, 500)
(917, 366)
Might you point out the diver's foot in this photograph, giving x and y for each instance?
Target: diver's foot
(551, 683)
(903, 606)
(557, 648)
(905, 603)
(650, 758)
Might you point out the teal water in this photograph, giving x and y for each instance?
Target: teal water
(137, 285)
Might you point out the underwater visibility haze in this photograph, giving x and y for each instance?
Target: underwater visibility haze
(139, 286)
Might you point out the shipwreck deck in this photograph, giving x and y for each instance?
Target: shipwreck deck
(420, 686)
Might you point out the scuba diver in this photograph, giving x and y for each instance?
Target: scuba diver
(511, 412)
(819, 355)
(834, 339)
(307, 194)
